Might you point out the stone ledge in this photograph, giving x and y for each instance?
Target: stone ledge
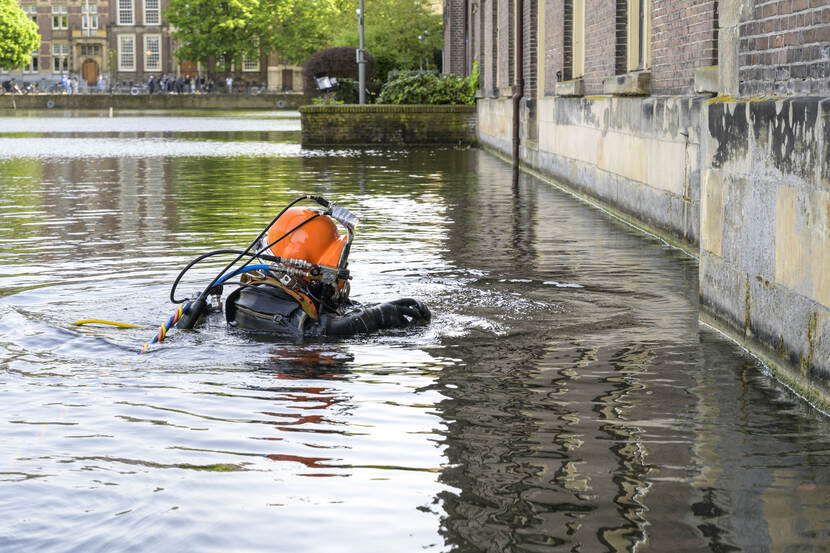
(389, 108)
(706, 79)
(574, 87)
(637, 83)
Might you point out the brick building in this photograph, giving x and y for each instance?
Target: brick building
(124, 41)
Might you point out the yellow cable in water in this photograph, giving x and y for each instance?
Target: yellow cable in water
(111, 323)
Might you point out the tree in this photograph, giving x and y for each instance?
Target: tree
(18, 36)
(401, 34)
(222, 30)
(229, 30)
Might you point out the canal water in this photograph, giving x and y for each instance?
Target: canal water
(563, 398)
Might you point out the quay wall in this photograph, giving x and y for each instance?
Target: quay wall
(381, 124)
(152, 101)
(742, 185)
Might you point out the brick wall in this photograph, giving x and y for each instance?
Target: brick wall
(683, 39)
(600, 43)
(785, 48)
(387, 124)
(505, 46)
(530, 21)
(454, 37)
(553, 41)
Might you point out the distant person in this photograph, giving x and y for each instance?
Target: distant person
(151, 84)
(229, 84)
(64, 84)
(163, 85)
(69, 86)
(76, 86)
(100, 83)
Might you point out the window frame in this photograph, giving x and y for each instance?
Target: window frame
(123, 11)
(90, 15)
(638, 29)
(121, 66)
(60, 17)
(60, 57)
(157, 11)
(34, 61)
(147, 67)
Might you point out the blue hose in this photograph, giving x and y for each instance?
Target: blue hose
(260, 267)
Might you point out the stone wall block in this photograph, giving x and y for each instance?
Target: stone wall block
(786, 133)
(749, 225)
(723, 290)
(726, 140)
(824, 144)
(728, 61)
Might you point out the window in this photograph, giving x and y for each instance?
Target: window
(125, 12)
(60, 19)
(89, 17)
(90, 49)
(633, 29)
(152, 52)
(33, 66)
(250, 64)
(574, 34)
(151, 12)
(60, 57)
(126, 52)
(31, 12)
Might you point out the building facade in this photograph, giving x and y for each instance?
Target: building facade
(125, 42)
(704, 122)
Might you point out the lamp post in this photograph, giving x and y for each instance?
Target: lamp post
(361, 58)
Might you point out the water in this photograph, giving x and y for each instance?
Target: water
(564, 397)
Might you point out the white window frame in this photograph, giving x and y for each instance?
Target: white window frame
(250, 65)
(147, 67)
(31, 11)
(121, 51)
(60, 11)
(31, 67)
(123, 10)
(152, 11)
(91, 16)
(60, 56)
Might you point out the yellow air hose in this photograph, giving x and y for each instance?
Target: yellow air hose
(111, 323)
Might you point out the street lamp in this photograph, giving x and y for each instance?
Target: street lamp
(361, 58)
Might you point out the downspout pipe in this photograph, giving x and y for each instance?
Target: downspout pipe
(520, 81)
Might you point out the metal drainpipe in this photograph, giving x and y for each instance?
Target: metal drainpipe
(520, 81)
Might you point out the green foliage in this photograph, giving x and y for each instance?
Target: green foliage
(474, 79)
(230, 30)
(336, 62)
(421, 87)
(392, 31)
(18, 36)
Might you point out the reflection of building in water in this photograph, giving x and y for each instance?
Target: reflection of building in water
(104, 200)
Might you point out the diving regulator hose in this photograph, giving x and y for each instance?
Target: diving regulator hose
(189, 311)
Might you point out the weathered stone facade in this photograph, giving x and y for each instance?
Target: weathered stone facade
(742, 183)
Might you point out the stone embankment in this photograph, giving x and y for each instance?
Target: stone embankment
(152, 101)
(744, 185)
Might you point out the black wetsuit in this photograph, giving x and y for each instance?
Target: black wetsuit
(266, 308)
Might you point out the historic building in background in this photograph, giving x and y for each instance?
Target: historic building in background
(125, 41)
(706, 122)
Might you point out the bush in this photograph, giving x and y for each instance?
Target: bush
(427, 87)
(337, 62)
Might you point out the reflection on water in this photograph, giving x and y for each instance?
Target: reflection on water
(564, 398)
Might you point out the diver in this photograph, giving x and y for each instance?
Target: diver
(295, 281)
